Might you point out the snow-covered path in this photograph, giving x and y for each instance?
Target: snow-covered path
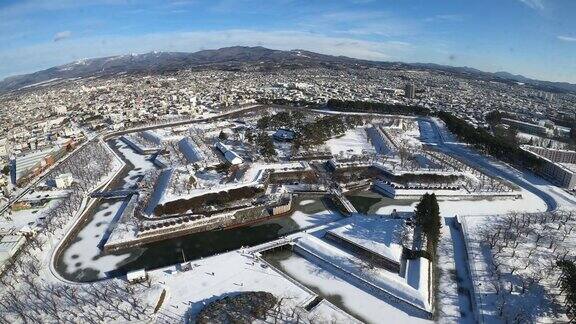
(455, 296)
(550, 194)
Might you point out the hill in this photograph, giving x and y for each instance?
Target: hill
(236, 58)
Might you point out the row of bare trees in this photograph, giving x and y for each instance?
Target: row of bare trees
(28, 291)
(29, 298)
(87, 165)
(523, 252)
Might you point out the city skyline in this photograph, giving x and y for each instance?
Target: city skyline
(490, 36)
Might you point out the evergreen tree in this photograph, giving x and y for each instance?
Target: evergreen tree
(568, 286)
(427, 215)
(266, 145)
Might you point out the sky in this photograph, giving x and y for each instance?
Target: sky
(535, 38)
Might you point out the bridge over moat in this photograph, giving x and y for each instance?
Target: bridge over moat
(114, 193)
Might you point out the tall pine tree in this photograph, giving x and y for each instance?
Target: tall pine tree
(427, 215)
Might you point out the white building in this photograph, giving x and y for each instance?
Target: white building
(137, 276)
(63, 180)
(22, 164)
(230, 156)
(3, 147)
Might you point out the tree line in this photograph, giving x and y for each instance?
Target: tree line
(282, 119)
(497, 146)
(324, 128)
(309, 134)
(377, 107)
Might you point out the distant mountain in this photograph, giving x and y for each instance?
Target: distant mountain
(544, 85)
(501, 76)
(158, 62)
(235, 58)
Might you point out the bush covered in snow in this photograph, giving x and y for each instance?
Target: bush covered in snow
(245, 307)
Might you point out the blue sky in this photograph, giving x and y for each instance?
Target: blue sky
(536, 38)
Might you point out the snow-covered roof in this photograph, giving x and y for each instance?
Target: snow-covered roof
(379, 235)
(136, 275)
(284, 134)
(190, 150)
(230, 155)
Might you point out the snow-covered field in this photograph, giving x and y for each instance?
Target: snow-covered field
(141, 164)
(384, 281)
(449, 208)
(514, 266)
(379, 235)
(84, 254)
(353, 142)
(427, 134)
(212, 278)
(305, 220)
(26, 217)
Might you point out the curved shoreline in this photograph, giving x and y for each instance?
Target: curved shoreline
(80, 218)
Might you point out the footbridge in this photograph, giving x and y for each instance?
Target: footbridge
(122, 193)
(350, 209)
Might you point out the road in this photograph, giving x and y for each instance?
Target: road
(522, 179)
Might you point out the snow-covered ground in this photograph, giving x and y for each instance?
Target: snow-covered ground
(353, 142)
(538, 195)
(379, 235)
(141, 164)
(455, 301)
(210, 181)
(26, 217)
(383, 280)
(212, 278)
(305, 220)
(515, 275)
(354, 300)
(84, 253)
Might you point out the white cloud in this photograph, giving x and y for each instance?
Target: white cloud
(45, 55)
(62, 35)
(566, 38)
(534, 4)
(26, 7)
(446, 17)
(364, 23)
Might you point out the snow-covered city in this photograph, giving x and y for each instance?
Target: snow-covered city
(266, 182)
(328, 212)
